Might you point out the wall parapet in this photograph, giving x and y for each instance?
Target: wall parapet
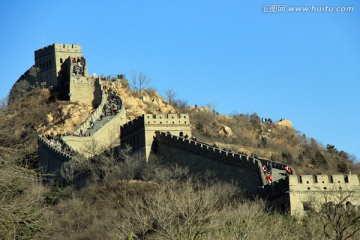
(58, 48)
(209, 151)
(42, 142)
(132, 125)
(106, 135)
(94, 115)
(175, 119)
(265, 161)
(275, 189)
(155, 119)
(319, 180)
(102, 137)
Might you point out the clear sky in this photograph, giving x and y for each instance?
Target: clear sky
(244, 56)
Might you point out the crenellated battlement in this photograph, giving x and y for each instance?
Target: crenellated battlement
(62, 66)
(208, 151)
(319, 180)
(166, 119)
(320, 189)
(155, 119)
(51, 60)
(133, 125)
(245, 171)
(57, 47)
(61, 155)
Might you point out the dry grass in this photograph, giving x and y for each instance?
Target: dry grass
(280, 144)
(167, 204)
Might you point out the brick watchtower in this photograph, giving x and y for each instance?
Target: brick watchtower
(50, 60)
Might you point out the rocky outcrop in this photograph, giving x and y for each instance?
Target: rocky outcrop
(284, 124)
(148, 102)
(225, 131)
(24, 84)
(66, 118)
(200, 109)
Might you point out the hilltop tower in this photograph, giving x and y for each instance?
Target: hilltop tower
(139, 134)
(63, 68)
(50, 61)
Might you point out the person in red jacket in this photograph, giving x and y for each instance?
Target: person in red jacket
(288, 169)
(268, 178)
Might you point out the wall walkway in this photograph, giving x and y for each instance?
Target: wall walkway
(98, 132)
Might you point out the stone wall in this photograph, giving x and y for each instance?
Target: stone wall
(95, 114)
(103, 138)
(267, 162)
(201, 158)
(107, 136)
(277, 194)
(86, 90)
(50, 159)
(306, 190)
(140, 133)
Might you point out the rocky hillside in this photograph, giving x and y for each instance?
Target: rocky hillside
(139, 103)
(131, 199)
(24, 84)
(247, 133)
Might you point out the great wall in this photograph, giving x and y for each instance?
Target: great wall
(167, 136)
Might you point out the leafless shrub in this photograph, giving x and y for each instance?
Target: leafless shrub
(152, 92)
(339, 218)
(22, 213)
(125, 83)
(176, 210)
(139, 82)
(170, 96)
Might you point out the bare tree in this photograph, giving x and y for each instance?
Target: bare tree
(170, 95)
(139, 81)
(22, 213)
(339, 218)
(175, 210)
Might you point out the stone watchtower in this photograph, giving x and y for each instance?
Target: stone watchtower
(139, 134)
(63, 68)
(50, 60)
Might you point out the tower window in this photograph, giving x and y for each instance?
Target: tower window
(61, 60)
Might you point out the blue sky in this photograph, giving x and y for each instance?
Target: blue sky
(302, 66)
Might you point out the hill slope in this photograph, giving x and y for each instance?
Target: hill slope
(133, 200)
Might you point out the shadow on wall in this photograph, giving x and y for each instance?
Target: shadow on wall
(209, 171)
(97, 95)
(63, 89)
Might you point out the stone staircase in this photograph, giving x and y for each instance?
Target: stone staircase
(98, 132)
(102, 129)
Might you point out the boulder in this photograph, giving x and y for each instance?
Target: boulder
(284, 124)
(225, 131)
